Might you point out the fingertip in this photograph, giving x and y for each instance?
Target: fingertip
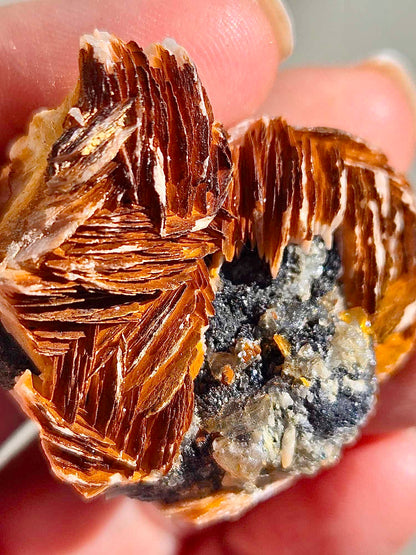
(236, 45)
(395, 66)
(369, 100)
(282, 25)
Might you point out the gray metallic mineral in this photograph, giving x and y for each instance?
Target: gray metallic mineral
(288, 378)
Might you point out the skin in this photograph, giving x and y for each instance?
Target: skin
(367, 504)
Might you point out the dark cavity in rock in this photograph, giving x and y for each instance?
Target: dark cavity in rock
(285, 382)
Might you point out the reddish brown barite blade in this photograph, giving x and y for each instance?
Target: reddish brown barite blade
(116, 199)
(105, 280)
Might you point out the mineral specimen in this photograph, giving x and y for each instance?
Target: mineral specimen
(191, 316)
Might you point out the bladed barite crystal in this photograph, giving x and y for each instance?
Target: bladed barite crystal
(124, 204)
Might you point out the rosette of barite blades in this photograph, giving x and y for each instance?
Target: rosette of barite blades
(196, 317)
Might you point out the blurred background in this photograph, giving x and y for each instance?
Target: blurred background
(339, 31)
(346, 31)
(342, 31)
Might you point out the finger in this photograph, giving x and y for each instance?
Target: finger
(366, 504)
(375, 100)
(132, 528)
(40, 515)
(10, 416)
(236, 44)
(396, 406)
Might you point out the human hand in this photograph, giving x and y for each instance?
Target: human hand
(365, 504)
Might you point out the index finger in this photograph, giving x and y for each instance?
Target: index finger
(236, 45)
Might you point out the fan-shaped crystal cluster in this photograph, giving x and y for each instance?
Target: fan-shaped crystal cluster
(193, 316)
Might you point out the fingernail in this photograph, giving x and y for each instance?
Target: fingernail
(281, 22)
(399, 69)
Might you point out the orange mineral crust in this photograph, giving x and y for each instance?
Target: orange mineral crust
(124, 204)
